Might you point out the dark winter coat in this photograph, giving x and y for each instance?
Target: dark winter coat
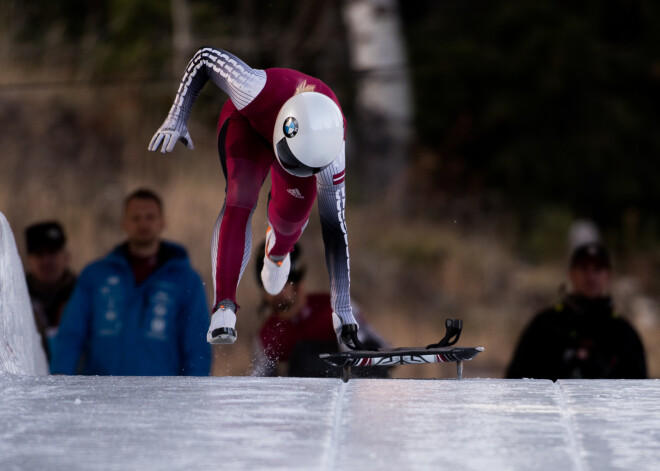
(579, 338)
(156, 328)
(48, 305)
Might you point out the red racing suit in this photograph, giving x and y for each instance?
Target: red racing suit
(245, 134)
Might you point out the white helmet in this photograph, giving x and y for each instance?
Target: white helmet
(308, 134)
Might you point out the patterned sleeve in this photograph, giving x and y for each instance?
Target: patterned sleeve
(238, 80)
(332, 205)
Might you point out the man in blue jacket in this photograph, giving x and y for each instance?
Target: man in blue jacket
(141, 310)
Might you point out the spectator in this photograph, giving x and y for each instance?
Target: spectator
(299, 327)
(141, 310)
(582, 336)
(49, 278)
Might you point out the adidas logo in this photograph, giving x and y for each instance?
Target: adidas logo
(295, 192)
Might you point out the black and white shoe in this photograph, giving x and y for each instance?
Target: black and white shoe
(223, 326)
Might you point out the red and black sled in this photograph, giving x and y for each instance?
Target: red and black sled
(441, 352)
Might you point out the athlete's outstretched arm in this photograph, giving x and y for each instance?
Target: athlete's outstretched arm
(331, 190)
(238, 80)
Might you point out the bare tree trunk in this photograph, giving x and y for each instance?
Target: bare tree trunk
(9, 18)
(383, 96)
(181, 36)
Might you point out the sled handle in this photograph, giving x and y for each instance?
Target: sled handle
(454, 327)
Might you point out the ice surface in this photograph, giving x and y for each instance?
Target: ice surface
(67, 423)
(120, 423)
(617, 423)
(467, 424)
(20, 344)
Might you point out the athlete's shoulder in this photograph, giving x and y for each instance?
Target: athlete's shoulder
(293, 79)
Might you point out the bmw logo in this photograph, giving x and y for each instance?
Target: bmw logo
(290, 126)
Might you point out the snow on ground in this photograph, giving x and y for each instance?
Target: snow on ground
(20, 344)
(176, 423)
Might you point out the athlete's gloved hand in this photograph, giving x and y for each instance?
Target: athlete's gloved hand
(347, 337)
(171, 131)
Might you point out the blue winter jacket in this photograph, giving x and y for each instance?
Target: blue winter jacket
(157, 328)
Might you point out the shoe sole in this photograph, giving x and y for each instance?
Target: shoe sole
(222, 336)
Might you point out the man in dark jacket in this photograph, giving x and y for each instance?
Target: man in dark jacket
(582, 336)
(141, 310)
(49, 279)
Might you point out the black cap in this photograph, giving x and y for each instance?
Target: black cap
(45, 236)
(593, 251)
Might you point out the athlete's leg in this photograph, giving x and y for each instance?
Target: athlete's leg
(291, 201)
(247, 249)
(246, 159)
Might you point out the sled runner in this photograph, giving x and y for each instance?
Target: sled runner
(440, 352)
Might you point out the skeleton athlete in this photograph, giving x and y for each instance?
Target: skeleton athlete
(288, 123)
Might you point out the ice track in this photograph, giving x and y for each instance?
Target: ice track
(120, 423)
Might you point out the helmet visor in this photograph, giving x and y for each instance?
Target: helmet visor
(290, 162)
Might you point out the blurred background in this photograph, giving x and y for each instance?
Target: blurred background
(478, 134)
